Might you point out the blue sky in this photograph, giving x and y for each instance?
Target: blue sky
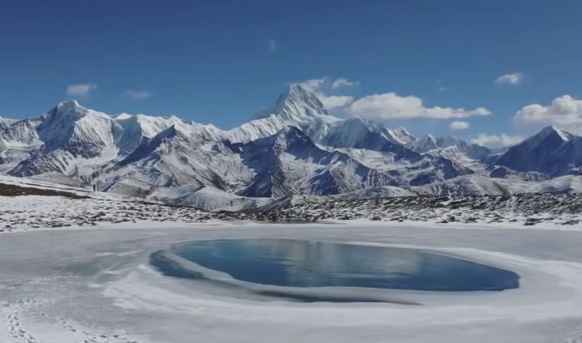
(222, 61)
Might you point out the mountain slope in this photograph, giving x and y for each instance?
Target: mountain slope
(291, 163)
(552, 151)
(360, 134)
(181, 155)
(132, 129)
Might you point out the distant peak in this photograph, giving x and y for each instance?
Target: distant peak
(298, 88)
(71, 110)
(7, 120)
(299, 101)
(299, 91)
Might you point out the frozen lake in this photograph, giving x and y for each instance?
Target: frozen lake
(70, 286)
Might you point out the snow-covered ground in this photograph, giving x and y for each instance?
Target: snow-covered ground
(25, 213)
(29, 204)
(60, 286)
(47, 206)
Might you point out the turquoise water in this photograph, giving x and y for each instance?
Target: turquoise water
(297, 263)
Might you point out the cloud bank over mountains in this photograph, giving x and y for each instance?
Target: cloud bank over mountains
(564, 111)
(496, 141)
(383, 106)
(389, 106)
(335, 93)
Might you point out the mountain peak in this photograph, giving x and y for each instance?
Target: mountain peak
(298, 88)
(68, 108)
(68, 111)
(554, 130)
(551, 151)
(6, 121)
(71, 110)
(299, 102)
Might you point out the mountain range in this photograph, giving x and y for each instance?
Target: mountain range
(296, 148)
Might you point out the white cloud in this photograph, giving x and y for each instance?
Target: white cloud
(496, 141)
(273, 46)
(80, 89)
(342, 82)
(315, 85)
(393, 106)
(564, 111)
(138, 94)
(512, 79)
(381, 106)
(326, 84)
(323, 86)
(336, 101)
(459, 125)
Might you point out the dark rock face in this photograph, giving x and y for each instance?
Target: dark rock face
(552, 152)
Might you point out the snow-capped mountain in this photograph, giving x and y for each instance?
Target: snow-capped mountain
(446, 146)
(182, 154)
(472, 156)
(6, 122)
(552, 152)
(297, 147)
(361, 134)
(301, 108)
(17, 138)
(73, 140)
(290, 163)
(400, 135)
(298, 107)
(19, 133)
(133, 129)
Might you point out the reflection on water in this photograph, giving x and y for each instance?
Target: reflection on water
(295, 263)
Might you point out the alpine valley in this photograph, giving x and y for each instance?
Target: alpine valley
(298, 148)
